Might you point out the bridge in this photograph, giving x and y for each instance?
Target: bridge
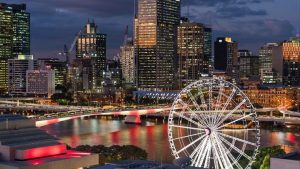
(134, 116)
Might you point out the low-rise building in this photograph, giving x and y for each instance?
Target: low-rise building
(40, 82)
(273, 97)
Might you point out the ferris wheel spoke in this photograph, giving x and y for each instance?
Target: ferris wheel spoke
(203, 155)
(231, 112)
(209, 96)
(186, 127)
(192, 143)
(229, 99)
(242, 118)
(201, 97)
(218, 102)
(190, 119)
(216, 164)
(221, 88)
(205, 122)
(216, 153)
(221, 147)
(199, 152)
(208, 157)
(192, 98)
(200, 145)
(238, 139)
(187, 136)
(238, 130)
(231, 157)
(235, 148)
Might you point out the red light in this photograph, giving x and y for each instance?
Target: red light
(40, 152)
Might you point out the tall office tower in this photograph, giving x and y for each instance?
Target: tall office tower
(248, 64)
(156, 44)
(83, 75)
(92, 44)
(190, 48)
(226, 55)
(291, 62)
(59, 67)
(14, 36)
(208, 61)
(270, 63)
(17, 73)
(127, 59)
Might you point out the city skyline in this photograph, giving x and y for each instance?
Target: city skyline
(250, 23)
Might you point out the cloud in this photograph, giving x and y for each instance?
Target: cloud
(222, 2)
(99, 8)
(252, 34)
(237, 12)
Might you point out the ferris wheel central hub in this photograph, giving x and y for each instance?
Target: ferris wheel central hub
(207, 131)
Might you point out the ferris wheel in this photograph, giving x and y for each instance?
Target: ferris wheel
(213, 123)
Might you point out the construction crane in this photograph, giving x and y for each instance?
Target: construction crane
(68, 51)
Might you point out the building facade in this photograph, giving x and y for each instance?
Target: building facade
(248, 64)
(59, 67)
(40, 82)
(17, 69)
(127, 59)
(156, 27)
(14, 36)
(291, 62)
(273, 97)
(226, 54)
(270, 63)
(190, 49)
(208, 60)
(91, 44)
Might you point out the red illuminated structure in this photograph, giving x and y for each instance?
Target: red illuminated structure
(22, 145)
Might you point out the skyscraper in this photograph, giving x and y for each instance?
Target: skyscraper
(156, 27)
(270, 63)
(59, 67)
(14, 36)
(127, 59)
(248, 64)
(208, 61)
(193, 51)
(92, 44)
(226, 51)
(17, 69)
(291, 62)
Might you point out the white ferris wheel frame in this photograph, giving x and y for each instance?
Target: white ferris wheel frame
(207, 140)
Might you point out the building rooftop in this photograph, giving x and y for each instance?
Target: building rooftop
(22, 145)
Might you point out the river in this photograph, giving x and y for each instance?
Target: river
(151, 136)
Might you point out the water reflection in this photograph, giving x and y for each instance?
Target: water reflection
(152, 138)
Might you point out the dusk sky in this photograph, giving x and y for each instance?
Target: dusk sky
(250, 22)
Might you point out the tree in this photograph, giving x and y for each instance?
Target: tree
(266, 162)
(266, 151)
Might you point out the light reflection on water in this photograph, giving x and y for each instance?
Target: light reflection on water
(152, 138)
